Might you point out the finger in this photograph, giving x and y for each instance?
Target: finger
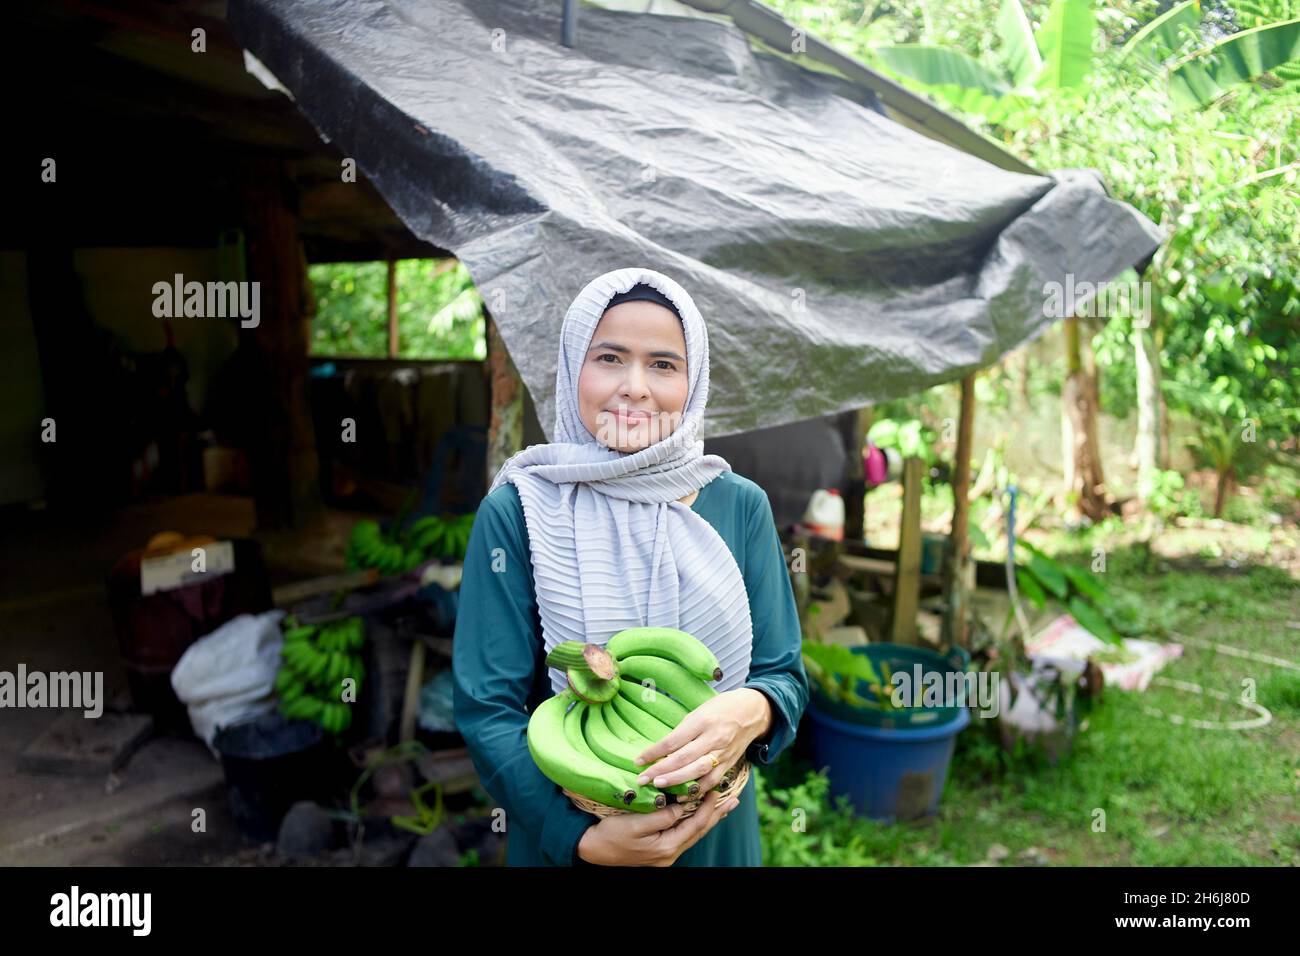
(680, 767)
(693, 751)
(646, 824)
(717, 810)
(713, 777)
(680, 736)
(690, 829)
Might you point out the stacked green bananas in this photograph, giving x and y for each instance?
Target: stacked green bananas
(368, 547)
(621, 698)
(436, 536)
(317, 659)
(442, 537)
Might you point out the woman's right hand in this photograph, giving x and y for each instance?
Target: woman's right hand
(652, 839)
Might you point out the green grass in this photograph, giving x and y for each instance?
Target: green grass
(1171, 795)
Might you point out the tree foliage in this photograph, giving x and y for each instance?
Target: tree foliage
(1189, 112)
(439, 311)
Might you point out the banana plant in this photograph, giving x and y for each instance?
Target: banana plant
(1058, 56)
(1196, 73)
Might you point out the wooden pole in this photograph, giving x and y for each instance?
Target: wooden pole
(392, 309)
(286, 486)
(907, 574)
(960, 570)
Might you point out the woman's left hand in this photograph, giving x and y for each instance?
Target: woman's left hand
(722, 727)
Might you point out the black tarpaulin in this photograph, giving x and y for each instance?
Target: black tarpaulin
(838, 258)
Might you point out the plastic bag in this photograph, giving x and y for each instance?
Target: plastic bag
(229, 675)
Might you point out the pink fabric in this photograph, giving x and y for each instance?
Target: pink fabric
(874, 466)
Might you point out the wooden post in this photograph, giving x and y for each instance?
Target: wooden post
(907, 574)
(392, 309)
(286, 486)
(506, 428)
(959, 573)
(411, 697)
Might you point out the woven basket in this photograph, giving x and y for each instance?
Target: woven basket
(725, 788)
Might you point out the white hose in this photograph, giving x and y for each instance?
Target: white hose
(1263, 720)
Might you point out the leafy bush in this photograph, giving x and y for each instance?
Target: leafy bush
(1170, 496)
(798, 826)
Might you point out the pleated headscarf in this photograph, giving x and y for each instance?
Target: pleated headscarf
(612, 547)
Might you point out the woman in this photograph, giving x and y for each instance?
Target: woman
(622, 522)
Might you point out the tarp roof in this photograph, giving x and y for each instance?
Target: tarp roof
(839, 258)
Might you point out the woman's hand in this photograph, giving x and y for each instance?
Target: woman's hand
(709, 740)
(652, 839)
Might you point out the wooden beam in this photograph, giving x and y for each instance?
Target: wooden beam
(960, 570)
(907, 580)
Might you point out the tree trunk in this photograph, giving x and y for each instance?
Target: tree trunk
(1221, 490)
(1081, 451)
(1148, 411)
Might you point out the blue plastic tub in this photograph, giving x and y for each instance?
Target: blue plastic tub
(888, 773)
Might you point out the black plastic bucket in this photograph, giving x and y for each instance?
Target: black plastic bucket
(271, 763)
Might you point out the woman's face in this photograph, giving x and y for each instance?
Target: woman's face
(632, 389)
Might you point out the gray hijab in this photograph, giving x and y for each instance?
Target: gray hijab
(612, 547)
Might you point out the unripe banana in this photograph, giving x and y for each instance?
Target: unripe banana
(642, 721)
(609, 746)
(671, 678)
(639, 742)
(669, 643)
(660, 706)
(576, 772)
(615, 722)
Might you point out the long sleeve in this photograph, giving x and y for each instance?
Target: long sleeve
(496, 662)
(776, 666)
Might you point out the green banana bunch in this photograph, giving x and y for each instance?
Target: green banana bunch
(442, 536)
(317, 659)
(629, 694)
(428, 538)
(563, 760)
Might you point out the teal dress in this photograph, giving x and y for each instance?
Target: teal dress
(500, 674)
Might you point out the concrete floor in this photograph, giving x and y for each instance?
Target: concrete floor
(54, 616)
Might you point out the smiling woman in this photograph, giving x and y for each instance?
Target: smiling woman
(633, 386)
(624, 522)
